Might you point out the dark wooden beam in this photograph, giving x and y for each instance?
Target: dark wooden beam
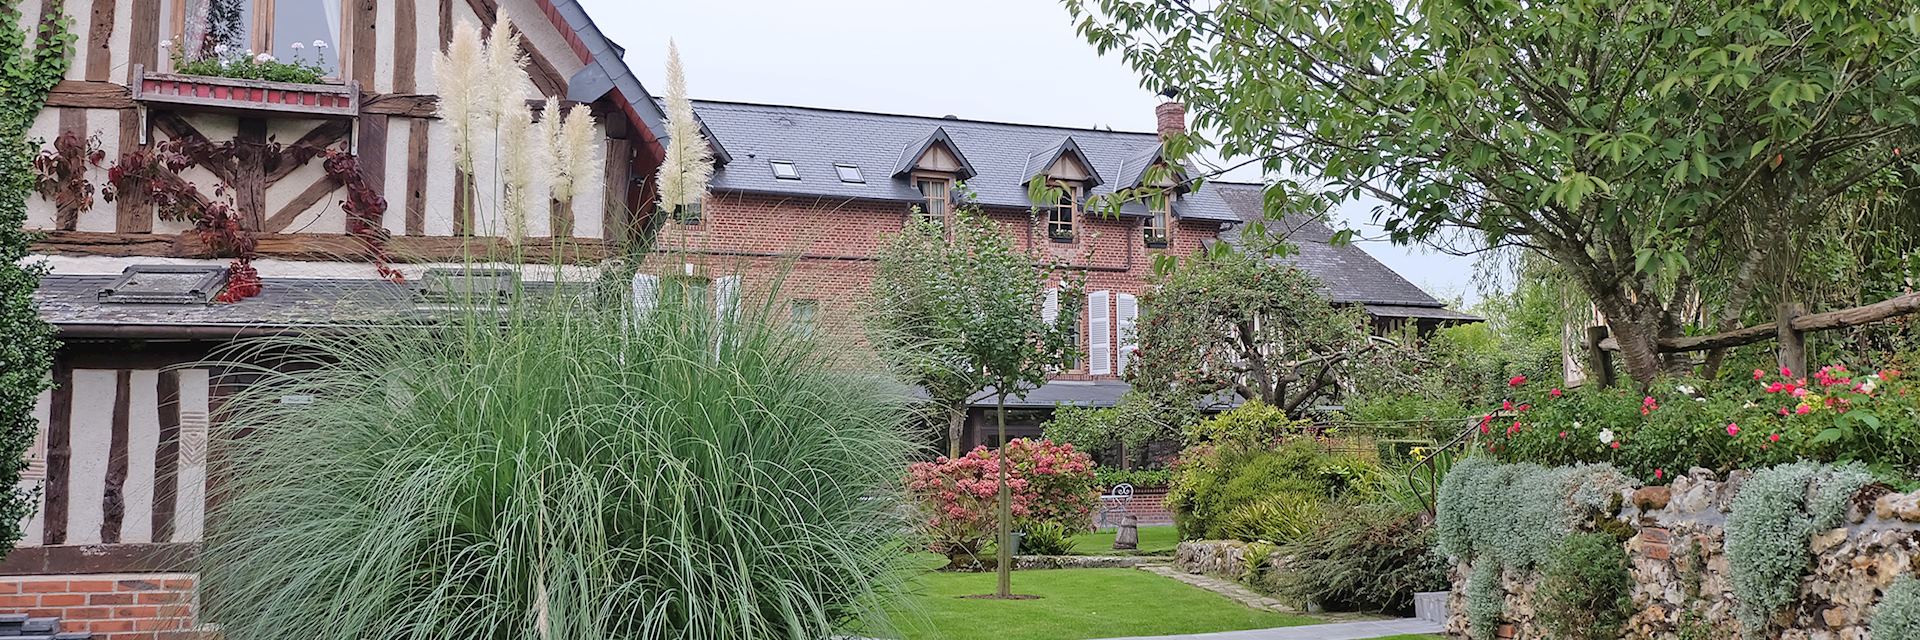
(539, 70)
(406, 61)
(100, 41)
(86, 94)
(324, 246)
(319, 138)
(172, 557)
(416, 203)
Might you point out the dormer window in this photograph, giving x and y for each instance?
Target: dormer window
(1154, 229)
(849, 173)
(1061, 215)
(937, 198)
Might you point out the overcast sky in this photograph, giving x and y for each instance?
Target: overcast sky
(1006, 60)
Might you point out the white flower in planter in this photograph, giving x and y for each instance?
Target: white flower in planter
(1684, 389)
(220, 49)
(1606, 436)
(263, 58)
(298, 46)
(319, 44)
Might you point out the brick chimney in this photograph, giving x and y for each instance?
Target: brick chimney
(1171, 115)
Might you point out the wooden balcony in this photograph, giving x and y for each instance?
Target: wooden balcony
(245, 97)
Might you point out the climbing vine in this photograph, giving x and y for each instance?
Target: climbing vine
(60, 174)
(28, 71)
(154, 171)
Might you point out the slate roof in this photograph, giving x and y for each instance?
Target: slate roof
(817, 139)
(1349, 275)
(606, 70)
(70, 302)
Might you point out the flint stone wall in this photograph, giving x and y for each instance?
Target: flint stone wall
(1680, 569)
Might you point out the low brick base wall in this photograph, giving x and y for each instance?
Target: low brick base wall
(146, 606)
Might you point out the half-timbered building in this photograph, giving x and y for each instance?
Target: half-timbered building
(332, 187)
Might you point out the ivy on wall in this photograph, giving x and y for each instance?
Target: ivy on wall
(30, 64)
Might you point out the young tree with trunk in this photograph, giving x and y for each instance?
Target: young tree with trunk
(1232, 321)
(1653, 149)
(960, 310)
(32, 66)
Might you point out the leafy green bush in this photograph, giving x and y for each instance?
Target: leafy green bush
(1363, 558)
(554, 466)
(1252, 424)
(1771, 524)
(1281, 517)
(1139, 478)
(1897, 617)
(1833, 415)
(1047, 539)
(1586, 589)
(1135, 422)
(1215, 486)
(1516, 515)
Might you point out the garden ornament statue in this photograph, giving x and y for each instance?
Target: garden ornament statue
(1128, 537)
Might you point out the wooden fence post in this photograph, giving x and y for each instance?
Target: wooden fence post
(1599, 362)
(1793, 344)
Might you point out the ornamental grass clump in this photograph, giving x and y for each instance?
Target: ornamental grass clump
(555, 465)
(1770, 528)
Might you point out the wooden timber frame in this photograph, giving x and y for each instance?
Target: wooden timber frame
(1790, 328)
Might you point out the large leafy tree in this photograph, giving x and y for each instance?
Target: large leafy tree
(1235, 322)
(1646, 146)
(29, 67)
(962, 310)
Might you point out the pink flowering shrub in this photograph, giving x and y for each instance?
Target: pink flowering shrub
(1770, 417)
(957, 497)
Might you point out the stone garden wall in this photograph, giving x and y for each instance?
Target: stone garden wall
(1681, 576)
(1218, 558)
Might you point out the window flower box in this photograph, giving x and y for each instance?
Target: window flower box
(208, 93)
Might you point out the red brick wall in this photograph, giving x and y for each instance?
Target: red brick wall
(153, 606)
(825, 249)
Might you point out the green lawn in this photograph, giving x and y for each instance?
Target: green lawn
(1075, 604)
(1153, 540)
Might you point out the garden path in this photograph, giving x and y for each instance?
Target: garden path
(1336, 631)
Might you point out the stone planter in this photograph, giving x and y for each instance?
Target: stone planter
(1430, 606)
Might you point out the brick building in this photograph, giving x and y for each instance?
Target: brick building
(808, 196)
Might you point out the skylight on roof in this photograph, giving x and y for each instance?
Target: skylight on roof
(165, 284)
(785, 170)
(849, 173)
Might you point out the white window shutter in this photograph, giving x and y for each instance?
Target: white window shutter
(1099, 334)
(1050, 306)
(646, 294)
(1126, 309)
(726, 297)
